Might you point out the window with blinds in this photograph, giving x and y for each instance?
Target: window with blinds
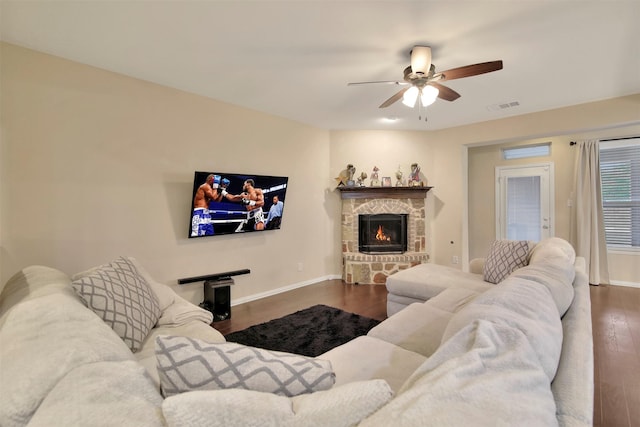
(620, 176)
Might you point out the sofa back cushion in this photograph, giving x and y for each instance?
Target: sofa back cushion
(113, 393)
(486, 375)
(33, 282)
(524, 306)
(43, 339)
(554, 247)
(556, 275)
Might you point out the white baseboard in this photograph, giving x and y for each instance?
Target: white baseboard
(276, 291)
(622, 283)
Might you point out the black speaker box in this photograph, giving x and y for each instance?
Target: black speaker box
(217, 298)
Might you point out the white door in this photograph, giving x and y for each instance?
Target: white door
(524, 202)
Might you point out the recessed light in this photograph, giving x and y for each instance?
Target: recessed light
(391, 119)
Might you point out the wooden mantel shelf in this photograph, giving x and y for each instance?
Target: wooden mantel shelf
(354, 192)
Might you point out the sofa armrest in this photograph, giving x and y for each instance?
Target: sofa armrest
(182, 311)
(476, 266)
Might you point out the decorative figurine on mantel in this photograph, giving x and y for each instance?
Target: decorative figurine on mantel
(361, 179)
(414, 178)
(351, 170)
(399, 182)
(375, 182)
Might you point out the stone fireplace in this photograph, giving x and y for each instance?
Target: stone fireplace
(373, 266)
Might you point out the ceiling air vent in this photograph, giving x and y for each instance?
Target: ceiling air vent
(503, 106)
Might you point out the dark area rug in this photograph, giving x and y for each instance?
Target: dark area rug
(309, 332)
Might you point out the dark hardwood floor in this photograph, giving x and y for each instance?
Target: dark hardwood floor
(615, 313)
(365, 300)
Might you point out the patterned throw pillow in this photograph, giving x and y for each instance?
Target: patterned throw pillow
(188, 364)
(504, 257)
(122, 298)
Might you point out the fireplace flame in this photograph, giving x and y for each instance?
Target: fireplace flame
(381, 236)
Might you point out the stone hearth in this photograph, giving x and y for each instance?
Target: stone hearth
(360, 268)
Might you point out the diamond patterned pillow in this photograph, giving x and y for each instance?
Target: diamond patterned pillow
(122, 298)
(188, 364)
(504, 257)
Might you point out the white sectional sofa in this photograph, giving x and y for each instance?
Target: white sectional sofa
(515, 353)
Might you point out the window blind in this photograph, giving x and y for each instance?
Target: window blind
(620, 177)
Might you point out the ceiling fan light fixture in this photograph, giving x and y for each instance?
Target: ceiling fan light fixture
(410, 97)
(421, 59)
(428, 95)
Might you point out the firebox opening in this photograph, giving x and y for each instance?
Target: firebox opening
(382, 233)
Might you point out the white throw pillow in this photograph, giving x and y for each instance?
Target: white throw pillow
(188, 364)
(504, 257)
(122, 298)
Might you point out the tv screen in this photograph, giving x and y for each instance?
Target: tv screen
(226, 203)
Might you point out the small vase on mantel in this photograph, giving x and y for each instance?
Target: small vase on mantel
(375, 182)
(399, 181)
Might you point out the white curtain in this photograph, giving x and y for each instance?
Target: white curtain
(590, 238)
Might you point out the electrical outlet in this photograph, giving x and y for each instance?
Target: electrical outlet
(300, 266)
(454, 259)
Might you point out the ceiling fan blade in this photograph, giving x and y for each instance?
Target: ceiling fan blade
(445, 93)
(471, 70)
(394, 98)
(395, 82)
(421, 59)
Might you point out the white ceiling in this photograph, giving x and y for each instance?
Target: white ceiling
(294, 58)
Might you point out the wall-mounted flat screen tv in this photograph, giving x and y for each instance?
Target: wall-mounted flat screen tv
(226, 203)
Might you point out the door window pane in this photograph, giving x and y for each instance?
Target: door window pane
(523, 208)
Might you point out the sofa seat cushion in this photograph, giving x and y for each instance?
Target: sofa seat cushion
(573, 384)
(453, 299)
(146, 356)
(365, 358)
(397, 303)
(102, 394)
(342, 406)
(425, 281)
(417, 328)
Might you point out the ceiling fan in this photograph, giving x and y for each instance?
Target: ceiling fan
(423, 82)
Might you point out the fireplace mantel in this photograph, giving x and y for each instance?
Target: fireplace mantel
(383, 192)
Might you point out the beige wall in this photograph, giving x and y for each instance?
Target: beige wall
(97, 165)
(443, 155)
(482, 162)
(482, 177)
(389, 151)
